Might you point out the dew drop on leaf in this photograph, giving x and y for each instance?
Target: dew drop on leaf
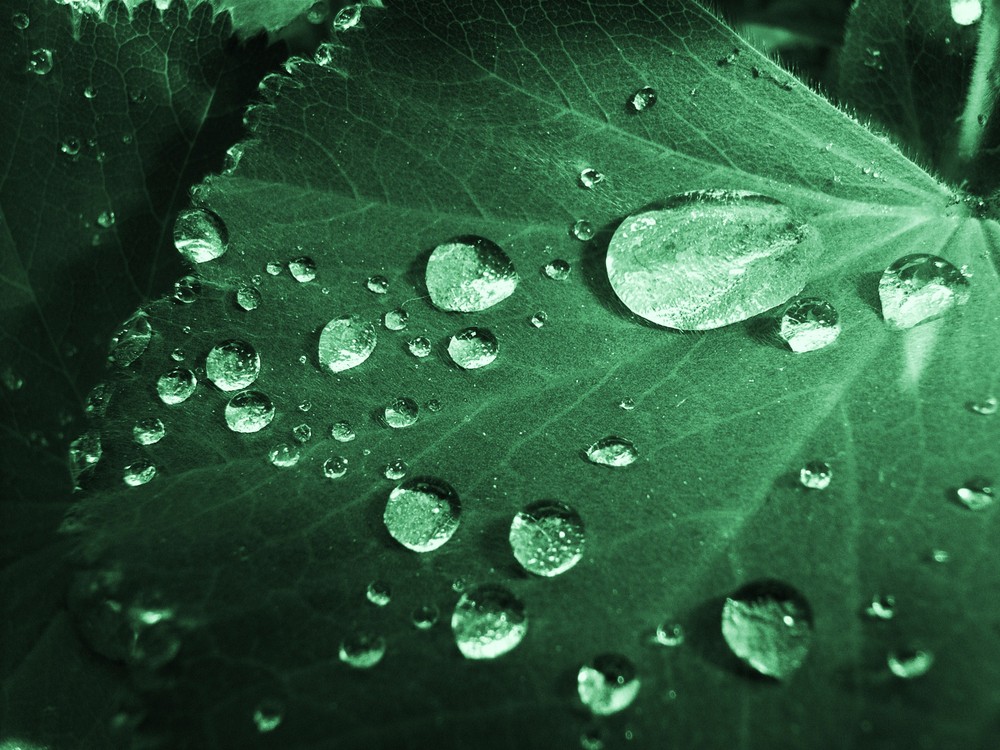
(97, 401)
(342, 432)
(469, 274)
(346, 342)
(318, 12)
(90, 92)
(472, 348)
(377, 284)
(40, 61)
(608, 684)
(612, 451)
(881, 607)
(187, 289)
(583, 230)
(248, 297)
(395, 469)
(106, 219)
(592, 739)
(642, 99)
(425, 616)
(402, 412)
(627, 404)
(395, 320)
(378, 593)
(708, 258)
(362, 650)
(966, 12)
(920, 287)
(176, 386)
(768, 625)
(10, 379)
(539, 319)
(302, 269)
(557, 269)
(284, 455)
(232, 365)
(976, 493)
(669, 633)
(84, 453)
(808, 324)
(70, 146)
(335, 467)
(940, 555)
(489, 621)
(131, 340)
(987, 406)
(268, 715)
(419, 346)
(148, 431)
(590, 177)
(250, 411)
(139, 473)
(200, 235)
(422, 513)
(20, 21)
(273, 268)
(434, 406)
(909, 663)
(547, 537)
(816, 475)
(347, 17)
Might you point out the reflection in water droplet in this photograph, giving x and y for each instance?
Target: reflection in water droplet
(920, 287)
(966, 12)
(335, 467)
(284, 455)
(248, 297)
(419, 346)
(402, 412)
(425, 617)
(176, 386)
(489, 621)
(377, 284)
(346, 342)
(881, 607)
(469, 274)
(232, 365)
(395, 469)
(808, 324)
(608, 684)
(589, 177)
(557, 269)
(200, 235)
(268, 715)
(642, 99)
(342, 432)
(378, 593)
(139, 472)
(422, 513)
(302, 269)
(768, 625)
(250, 411)
(612, 451)
(131, 340)
(362, 650)
(976, 494)
(40, 61)
(583, 230)
(148, 431)
(910, 663)
(472, 348)
(547, 537)
(816, 475)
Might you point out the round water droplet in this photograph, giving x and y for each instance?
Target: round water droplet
(489, 621)
(881, 607)
(940, 555)
(187, 289)
(612, 451)
(583, 230)
(469, 274)
(420, 346)
(139, 473)
(106, 219)
(920, 287)
(910, 663)
(302, 269)
(425, 616)
(335, 467)
(70, 146)
(346, 342)
(248, 297)
(987, 406)
(305, 406)
(396, 469)
(84, 453)
(627, 404)
(90, 92)
(669, 633)
(268, 715)
(768, 625)
(302, 432)
(250, 411)
(347, 17)
(148, 431)
(273, 268)
(422, 513)
(557, 269)
(20, 21)
(284, 455)
(539, 319)
(362, 650)
(200, 235)
(472, 348)
(232, 365)
(402, 412)
(40, 61)
(97, 400)
(395, 320)
(547, 537)
(976, 494)
(378, 593)
(608, 684)
(377, 284)
(642, 99)
(809, 323)
(589, 177)
(131, 340)
(816, 475)
(434, 406)
(966, 12)
(342, 432)
(708, 258)
(176, 386)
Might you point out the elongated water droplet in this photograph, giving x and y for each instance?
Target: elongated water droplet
(422, 513)
(910, 663)
(469, 274)
(362, 650)
(302, 269)
(809, 323)
(131, 340)
(987, 406)
(419, 346)
(669, 633)
(342, 432)
(920, 287)
(472, 348)
(642, 99)
(816, 475)
(402, 412)
(590, 177)
(176, 386)
(40, 61)
(148, 431)
(489, 621)
(200, 235)
(881, 607)
(232, 365)
(268, 715)
(284, 455)
(250, 411)
(378, 593)
(425, 616)
(976, 494)
(347, 17)
(768, 625)
(395, 469)
(377, 284)
(547, 537)
(583, 230)
(139, 473)
(612, 451)
(708, 258)
(966, 12)
(557, 269)
(84, 453)
(608, 684)
(346, 342)
(335, 467)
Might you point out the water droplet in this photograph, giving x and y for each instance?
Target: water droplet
(708, 259)
(547, 537)
(402, 412)
(920, 287)
(592, 740)
(627, 404)
(302, 269)
(808, 324)
(273, 268)
(335, 467)
(176, 386)
(488, 622)
(347, 17)
(84, 453)
(250, 411)
(539, 319)
(419, 346)
(70, 146)
(881, 607)
(138, 96)
(966, 12)
(396, 469)
(422, 513)
(377, 284)
(200, 235)
(768, 625)
(873, 59)
(669, 633)
(434, 406)
(987, 406)
(97, 400)
(106, 219)
(642, 99)
(557, 269)
(20, 21)
(612, 451)
(378, 593)
(284, 455)
(816, 475)
(583, 230)
(395, 320)
(302, 432)
(131, 340)
(248, 297)
(232, 365)
(590, 177)
(318, 12)
(139, 473)
(940, 555)
(469, 274)
(232, 158)
(362, 650)
(976, 494)
(458, 585)
(472, 348)
(148, 431)
(305, 406)
(425, 616)
(342, 432)
(910, 663)
(346, 342)
(608, 684)
(40, 61)
(268, 715)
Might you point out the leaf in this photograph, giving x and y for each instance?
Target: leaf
(434, 122)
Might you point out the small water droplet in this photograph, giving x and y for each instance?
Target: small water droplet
(816, 475)
(200, 235)
(347, 17)
(248, 297)
(976, 494)
(425, 616)
(90, 92)
(808, 324)
(40, 61)
(139, 473)
(137, 95)
(232, 158)
(302, 432)
(458, 585)
(583, 230)
(378, 593)
(20, 21)
(187, 289)
(232, 365)
(612, 451)
(335, 467)
(966, 12)
(987, 406)
(489, 621)
(920, 287)
(97, 400)
(591, 739)
(422, 513)
(284, 455)
(627, 404)
(84, 453)
(176, 386)
(434, 406)
(940, 555)
(539, 319)
(106, 219)
(70, 146)
(362, 650)
(768, 625)
(881, 607)
(472, 348)
(642, 99)
(395, 469)
(305, 406)
(557, 269)
(148, 431)
(346, 342)
(419, 346)
(608, 684)
(469, 274)
(873, 58)
(273, 268)
(268, 715)
(302, 269)
(250, 411)
(10, 379)
(342, 432)
(590, 177)
(547, 537)
(395, 320)
(402, 412)
(670, 633)
(910, 663)
(377, 284)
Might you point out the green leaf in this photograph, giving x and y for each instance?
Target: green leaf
(433, 122)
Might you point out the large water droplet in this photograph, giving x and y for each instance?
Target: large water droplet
(473, 348)
(920, 287)
(557, 269)
(342, 432)
(547, 537)
(708, 258)
(248, 297)
(139, 473)
(176, 386)
(469, 274)
(976, 494)
(910, 663)
(148, 431)
(608, 684)
(422, 513)
(419, 346)
(250, 411)
(612, 451)
(816, 475)
(131, 340)
(489, 621)
(362, 650)
(346, 342)
(768, 625)
(40, 61)
(302, 269)
(808, 324)
(642, 99)
(425, 616)
(966, 12)
(200, 235)
(402, 412)
(232, 365)
(284, 455)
